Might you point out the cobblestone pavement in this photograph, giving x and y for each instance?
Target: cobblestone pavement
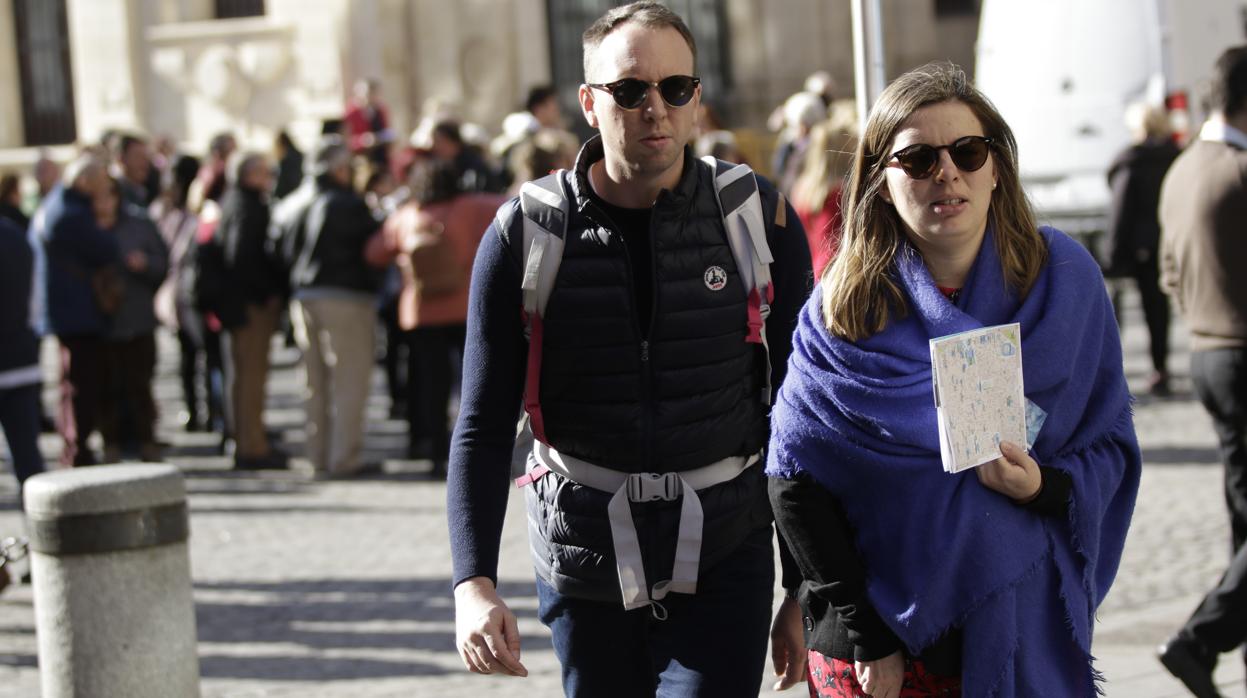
(342, 588)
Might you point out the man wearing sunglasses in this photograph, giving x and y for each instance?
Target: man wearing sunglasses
(646, 369)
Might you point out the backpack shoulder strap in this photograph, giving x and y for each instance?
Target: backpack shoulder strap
(740, 203)
(545, 206)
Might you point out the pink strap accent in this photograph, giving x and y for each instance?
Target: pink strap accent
(531, 476)
(532, 381)
(755, 317)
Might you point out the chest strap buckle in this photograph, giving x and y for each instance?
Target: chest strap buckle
(650, 487)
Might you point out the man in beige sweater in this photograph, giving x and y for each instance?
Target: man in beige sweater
(1203, 213)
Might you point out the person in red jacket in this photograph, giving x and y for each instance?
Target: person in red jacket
(433, 238)
(367, 122)
(816, 192)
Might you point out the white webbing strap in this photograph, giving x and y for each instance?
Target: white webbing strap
(648, 487)
(543, 248)
(536, 239)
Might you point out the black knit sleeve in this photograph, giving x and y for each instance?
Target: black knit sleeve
(1055, 491)
(813, 522)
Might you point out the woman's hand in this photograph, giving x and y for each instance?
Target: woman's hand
(882, 678)
(1015, 474)
(788, 651)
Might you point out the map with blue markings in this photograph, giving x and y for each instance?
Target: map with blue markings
(979, 399)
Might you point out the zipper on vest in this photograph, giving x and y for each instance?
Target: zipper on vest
(647, 367)
(647, 377)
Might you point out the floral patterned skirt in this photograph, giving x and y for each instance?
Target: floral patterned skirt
(835, 678)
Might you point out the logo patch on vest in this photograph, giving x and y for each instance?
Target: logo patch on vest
(715, 278)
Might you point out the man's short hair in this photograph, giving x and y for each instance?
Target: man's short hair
(449, 129)
(9, 183)
(538, 95)
(240, 164)
(649, 14)
(366, 86)
(330, 154)
(125, 140)
(221, 143)
(432, 182)
(1229, 81)
(85, 165)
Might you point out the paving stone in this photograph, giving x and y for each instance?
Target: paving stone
(327, 589)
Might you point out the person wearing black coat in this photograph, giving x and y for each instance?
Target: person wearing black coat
(249, 308)
(19, 354)
(1132, 242)
(128, 409)
(289, 166)
(70, 253)
(322, 229)
(11, 209)
(11, 201)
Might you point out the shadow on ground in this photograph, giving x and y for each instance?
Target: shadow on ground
(1181, 456)
(309, 668)
(329, 616)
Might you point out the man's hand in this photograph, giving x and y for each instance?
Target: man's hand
(882, 678)
(1015, 474)
(486, 631)
(788, 645)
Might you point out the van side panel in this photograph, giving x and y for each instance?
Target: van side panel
(1199, 32)
(1062, 72)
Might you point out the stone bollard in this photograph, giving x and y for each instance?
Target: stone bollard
(111, 575)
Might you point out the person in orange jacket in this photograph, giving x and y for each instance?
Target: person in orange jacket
(433, 237)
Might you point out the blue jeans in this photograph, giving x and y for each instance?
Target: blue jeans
(713, 643)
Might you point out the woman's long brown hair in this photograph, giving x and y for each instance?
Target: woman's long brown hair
(859, 291)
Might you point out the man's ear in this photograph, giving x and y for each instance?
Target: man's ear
(585, 96)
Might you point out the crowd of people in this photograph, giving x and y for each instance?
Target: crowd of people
(232, 249)
(702, 356)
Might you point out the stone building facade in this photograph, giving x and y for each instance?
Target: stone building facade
(191, 68)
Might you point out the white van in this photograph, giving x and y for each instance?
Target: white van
(1063, 71)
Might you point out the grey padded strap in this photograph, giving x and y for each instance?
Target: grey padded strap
(745, 224)
(545, 210)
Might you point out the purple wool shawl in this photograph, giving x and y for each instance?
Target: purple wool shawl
(941, 550)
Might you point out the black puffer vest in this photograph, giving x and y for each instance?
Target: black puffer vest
(687, 396)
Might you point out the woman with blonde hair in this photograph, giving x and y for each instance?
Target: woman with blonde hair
(915, 579)
(817, 190)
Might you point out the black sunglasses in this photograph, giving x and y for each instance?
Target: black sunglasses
(629, 93)
(920, 160)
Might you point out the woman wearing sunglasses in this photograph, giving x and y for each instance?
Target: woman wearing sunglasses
(918, 582)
